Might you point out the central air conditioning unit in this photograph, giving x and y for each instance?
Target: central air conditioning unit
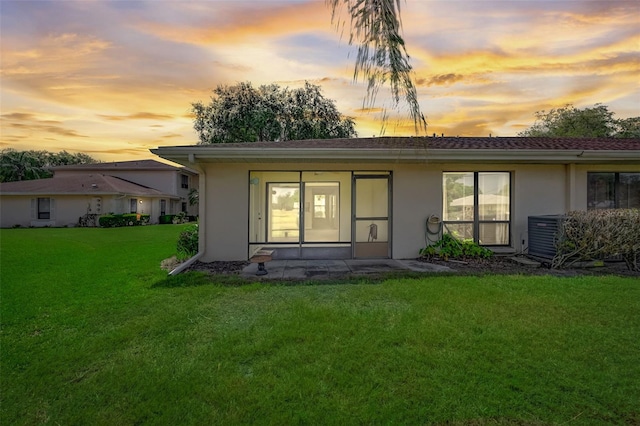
(543, 234)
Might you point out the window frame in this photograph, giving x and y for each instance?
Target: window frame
(184, 181)
(477, 222)
(42, 213)
(615, 189)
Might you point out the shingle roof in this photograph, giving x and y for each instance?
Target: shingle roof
(415, 149)
(89, 184)
(514, 143)
(120, 165)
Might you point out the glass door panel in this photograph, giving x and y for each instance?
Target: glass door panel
(283, 212)
(321, 211)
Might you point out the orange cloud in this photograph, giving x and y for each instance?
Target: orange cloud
(247, 25)
(440, 80)
(137, 116)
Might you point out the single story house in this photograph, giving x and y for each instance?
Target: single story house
(90, 190)
(382, 197)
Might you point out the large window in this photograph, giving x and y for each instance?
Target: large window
(309, 208)
(613, 190)
(477, 206)
(44, 208)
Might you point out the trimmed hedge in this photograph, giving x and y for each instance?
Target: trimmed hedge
(169, 218)
(165, 219)
(117, 220)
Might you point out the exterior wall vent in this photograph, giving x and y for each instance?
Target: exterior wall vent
(543, 233)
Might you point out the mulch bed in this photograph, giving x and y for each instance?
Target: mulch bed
(219, 267)
(495, 265)
(503, 265)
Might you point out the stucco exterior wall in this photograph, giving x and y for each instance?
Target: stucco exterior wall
(16, 210)
(226, 203)
(417, 194)
(166, 181)
(65, 211)
(536, 189)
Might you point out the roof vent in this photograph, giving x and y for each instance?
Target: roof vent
(94, 185)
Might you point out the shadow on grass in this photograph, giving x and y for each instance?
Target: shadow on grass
(196, 278)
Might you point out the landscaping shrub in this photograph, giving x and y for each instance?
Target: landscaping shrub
(188, 243)
(180, 218)
(450, 247)
(599, 234)
(117, 220)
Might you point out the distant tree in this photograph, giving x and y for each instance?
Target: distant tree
(382, 56)
(26, 165)
(242, 113)
(64, 158)
(628, 128)
(571, 122)
(20, 165)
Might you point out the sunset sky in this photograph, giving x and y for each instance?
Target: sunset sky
(115, 78)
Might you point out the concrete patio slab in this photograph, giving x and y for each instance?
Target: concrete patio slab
(318, 269)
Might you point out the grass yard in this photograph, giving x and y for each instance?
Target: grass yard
(93, 332)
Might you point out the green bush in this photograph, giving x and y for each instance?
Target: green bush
(180, 218)
(117, 220)
(451, 248)
(188, 243)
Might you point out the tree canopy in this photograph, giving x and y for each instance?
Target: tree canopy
(571, 122)
(242, 113)
(382, 56)
(26, 165)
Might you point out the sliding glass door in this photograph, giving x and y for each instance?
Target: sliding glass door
(283, 212)
(317, 214)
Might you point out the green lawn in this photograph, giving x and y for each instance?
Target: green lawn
(93, 332)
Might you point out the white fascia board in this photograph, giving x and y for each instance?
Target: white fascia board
(184, 155)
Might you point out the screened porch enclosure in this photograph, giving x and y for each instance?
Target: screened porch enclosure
(308, 214)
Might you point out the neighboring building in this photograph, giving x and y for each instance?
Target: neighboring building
(143, 187)
(372, 197)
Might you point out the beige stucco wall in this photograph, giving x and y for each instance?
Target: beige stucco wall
(16, 210)
(417, 194)
(225, 229)
(165, 181)
(67, 209)
(537, 189)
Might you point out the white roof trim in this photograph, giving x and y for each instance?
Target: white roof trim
(203, 154)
